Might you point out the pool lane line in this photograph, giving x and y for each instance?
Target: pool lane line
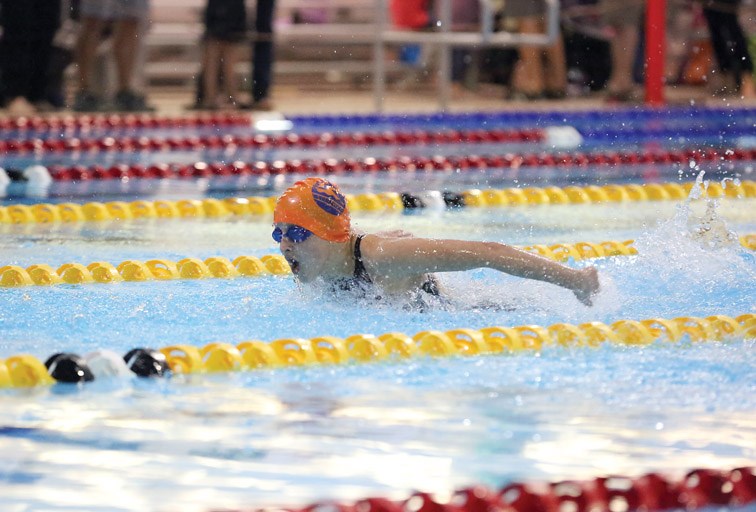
(528, 117)
(202, 169)
(698, 488)
(555, 136)
(385, 202)
(39, 125)
(26, 370)
(251, 266)
(270, 141)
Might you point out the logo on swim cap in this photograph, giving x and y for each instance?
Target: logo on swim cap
(328, 198)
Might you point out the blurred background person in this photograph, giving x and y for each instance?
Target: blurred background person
(730, 49)
(124, 18)
(586, 46)
(29, 27)
(539, 72)
(465, 59)
(624, 18)
(262, 56)
(225, 29)
(62, 55)
(412, 15)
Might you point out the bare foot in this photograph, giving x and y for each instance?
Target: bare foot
(588, 286)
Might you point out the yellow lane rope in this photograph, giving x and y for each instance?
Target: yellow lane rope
(26, 370)
(48, 213)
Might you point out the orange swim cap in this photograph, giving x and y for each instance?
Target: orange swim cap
(315, 204)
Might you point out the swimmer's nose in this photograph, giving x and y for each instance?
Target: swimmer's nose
(285, 245)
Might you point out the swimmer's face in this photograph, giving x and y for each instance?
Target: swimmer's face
(306, 258)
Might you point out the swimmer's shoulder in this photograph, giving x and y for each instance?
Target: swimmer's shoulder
(376, 252)
(370, 245)
(376, 243)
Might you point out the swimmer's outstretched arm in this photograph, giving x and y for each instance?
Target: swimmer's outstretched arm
(412, 256)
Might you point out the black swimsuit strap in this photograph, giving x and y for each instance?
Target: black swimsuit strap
(359, 267)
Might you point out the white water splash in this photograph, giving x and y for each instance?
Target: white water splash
(687, 263)
(691, 234)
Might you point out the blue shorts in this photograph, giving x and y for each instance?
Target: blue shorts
(115, 9)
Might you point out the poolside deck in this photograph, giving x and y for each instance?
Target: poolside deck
(324, 98)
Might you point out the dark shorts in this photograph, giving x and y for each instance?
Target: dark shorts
(226, 20)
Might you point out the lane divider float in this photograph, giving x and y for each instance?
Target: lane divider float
(136, 270)
(269, 141)
(381, 202)
(687, 114)
(398, 164)
(251, 266)
(691, 116)
(26, 370)
(651, 492)
(39, 125)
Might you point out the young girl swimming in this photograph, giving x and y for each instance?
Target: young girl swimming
(314, 233)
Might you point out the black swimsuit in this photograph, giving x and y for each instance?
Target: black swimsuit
(362, 278)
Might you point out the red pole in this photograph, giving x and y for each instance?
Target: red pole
(655, 46)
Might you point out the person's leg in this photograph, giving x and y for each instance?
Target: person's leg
(211, 69)
(623, 47)
(86, 48)
(718, 38)
(229, 60)
(130, 17)
(737, 48)
(528, 77)
(125, 42)
(731, 51)
(262, 50)
(624, 17)
(556, 64)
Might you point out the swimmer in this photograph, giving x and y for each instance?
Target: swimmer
(314, 233)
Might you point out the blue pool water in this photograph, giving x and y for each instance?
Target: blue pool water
(292, 436)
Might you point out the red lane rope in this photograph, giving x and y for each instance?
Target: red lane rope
(651, 492)
(41, 124)
(262, 141)
(400, 164)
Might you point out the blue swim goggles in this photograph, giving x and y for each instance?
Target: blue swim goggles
(296, 234)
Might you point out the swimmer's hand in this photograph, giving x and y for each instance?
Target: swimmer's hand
(587, 286)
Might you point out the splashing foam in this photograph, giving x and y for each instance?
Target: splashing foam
(688, 236)
(687, 262)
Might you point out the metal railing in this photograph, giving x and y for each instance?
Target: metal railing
(445, 39)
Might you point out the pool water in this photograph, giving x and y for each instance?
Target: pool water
(292, 436)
